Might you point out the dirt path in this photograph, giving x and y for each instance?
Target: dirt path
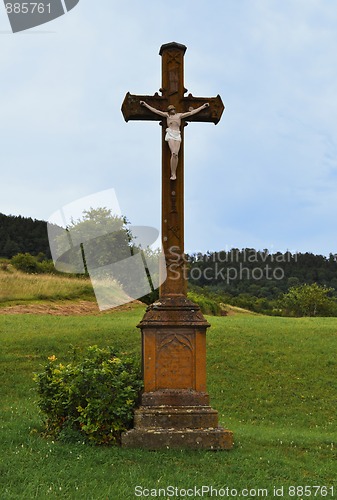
(79, 308)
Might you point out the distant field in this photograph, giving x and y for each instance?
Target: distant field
(273, 381)
(53, 294)
(19, 287)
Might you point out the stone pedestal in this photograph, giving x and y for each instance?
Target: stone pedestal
(175, 410)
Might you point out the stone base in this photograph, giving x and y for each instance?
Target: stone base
(189, 423)
(187, 417)
(193, 439)
(175, 398)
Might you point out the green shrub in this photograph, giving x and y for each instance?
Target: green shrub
(47, 266)
(206, 304)
(309, 300)
(33, 264)
(26, 262)
(92, 397)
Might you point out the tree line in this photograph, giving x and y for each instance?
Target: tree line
(23, 235)
(260, 273)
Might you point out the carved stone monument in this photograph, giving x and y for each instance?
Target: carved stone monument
(175, 410)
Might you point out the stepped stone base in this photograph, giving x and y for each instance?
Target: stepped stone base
(187, 417)
(189, 423)
(193, 439)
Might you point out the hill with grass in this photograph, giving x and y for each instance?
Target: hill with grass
(56, 293)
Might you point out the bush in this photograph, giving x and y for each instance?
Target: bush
(33, 264)
(26, 263)
(93, 397)
(206, 304)
(47, 267)
(309, 300)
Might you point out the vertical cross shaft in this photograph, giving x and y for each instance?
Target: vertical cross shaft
(173, 191)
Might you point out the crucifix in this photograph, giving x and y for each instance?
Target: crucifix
(173, 135)
(175, 409)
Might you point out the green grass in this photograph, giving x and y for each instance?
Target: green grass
(273, 381)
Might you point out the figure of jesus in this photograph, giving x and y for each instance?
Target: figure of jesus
(173, 135)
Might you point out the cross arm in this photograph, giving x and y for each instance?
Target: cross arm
(211, 114)
(132, 109)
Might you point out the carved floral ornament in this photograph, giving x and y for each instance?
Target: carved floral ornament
(178, 338)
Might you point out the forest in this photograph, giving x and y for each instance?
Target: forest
(23, 235)
(260, 273)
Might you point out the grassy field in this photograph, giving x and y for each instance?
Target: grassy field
(18, 287)
(273, 381)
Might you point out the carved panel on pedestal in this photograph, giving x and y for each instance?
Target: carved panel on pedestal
(175, 362)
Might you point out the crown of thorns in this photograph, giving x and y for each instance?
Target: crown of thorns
(171, 107)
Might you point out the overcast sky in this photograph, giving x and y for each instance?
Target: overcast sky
(264, 177)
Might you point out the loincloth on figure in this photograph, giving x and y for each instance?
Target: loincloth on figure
(173, 135)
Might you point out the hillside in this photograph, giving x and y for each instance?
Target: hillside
(64, 295)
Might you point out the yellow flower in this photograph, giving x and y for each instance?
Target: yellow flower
(52, 358)
(116, 361)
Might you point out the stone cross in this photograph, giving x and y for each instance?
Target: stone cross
(175, 411)
(173, 94)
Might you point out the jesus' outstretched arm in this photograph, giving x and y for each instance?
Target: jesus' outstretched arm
(195, 111)
(154, 110)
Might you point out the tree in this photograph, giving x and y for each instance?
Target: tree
(115, 255)
(97, 239)
(10, 248)
(308, 300)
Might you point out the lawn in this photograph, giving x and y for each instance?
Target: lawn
(273, 381)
